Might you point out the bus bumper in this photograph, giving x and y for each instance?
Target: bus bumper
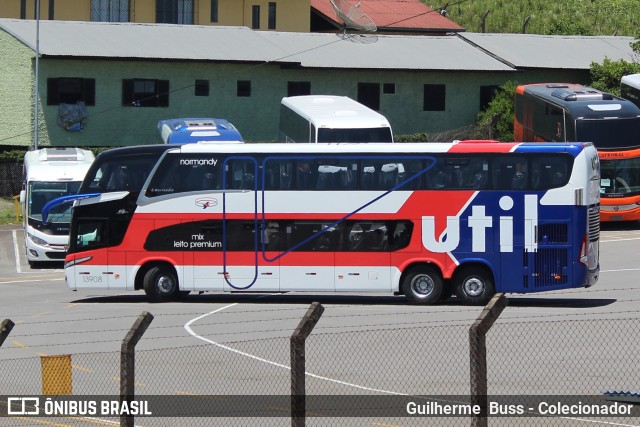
(593, 277)
(611, 213)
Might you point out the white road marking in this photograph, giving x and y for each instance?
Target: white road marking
(191, 332)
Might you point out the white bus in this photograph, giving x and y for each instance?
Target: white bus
(50, 173)
(328, 118)
(630, 88)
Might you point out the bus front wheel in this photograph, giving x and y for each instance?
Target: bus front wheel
(474, 285)
(422, 285)
(161, 284)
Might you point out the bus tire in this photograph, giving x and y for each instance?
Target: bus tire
(161, 284)
(422, 285)
(474, 285)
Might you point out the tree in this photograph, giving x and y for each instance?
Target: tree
(606, 76)
(498, 115)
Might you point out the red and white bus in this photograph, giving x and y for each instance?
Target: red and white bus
(421, 219)
(570, 112)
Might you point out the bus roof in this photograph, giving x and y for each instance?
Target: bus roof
(185, 130)
(583, 101)
(335, 111)
(57, 164)
(632, 80)
(341, 149)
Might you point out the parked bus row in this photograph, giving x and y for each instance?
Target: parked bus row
(424, 220)
(572, 113)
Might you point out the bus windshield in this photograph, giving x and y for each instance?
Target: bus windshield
(382, 134)
(609, 133)
(620, 177)
(43, 192)
(120, 173)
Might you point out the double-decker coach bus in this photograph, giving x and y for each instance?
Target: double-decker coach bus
(420, 219)
(570, 112)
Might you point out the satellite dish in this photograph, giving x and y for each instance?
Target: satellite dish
(352, 17)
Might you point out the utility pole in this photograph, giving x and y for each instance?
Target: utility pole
(36, 94)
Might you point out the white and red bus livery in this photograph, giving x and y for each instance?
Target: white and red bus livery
(423, 219)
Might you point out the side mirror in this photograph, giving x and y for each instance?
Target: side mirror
(23, 195)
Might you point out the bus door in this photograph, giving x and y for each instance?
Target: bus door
(245, 267)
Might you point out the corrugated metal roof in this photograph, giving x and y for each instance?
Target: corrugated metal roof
(321, 50)
(314, 50)
(464, 52)
(130, 40)
(559, 52)
(396, 14)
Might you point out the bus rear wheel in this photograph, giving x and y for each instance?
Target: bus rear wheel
(161, 284)
(474, 285)
(422, 285)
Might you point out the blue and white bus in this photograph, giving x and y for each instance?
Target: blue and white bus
(183, 131)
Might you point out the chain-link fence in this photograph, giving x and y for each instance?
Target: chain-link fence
(10, 179)
(381, 375)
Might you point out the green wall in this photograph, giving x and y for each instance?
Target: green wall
(16, 92)
(257, 116)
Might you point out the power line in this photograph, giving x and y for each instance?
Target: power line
(107, 110)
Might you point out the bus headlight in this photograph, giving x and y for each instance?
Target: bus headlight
(37, 240)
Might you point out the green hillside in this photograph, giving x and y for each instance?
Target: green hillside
(572, 17)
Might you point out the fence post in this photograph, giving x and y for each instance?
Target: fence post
(5, 329)
(298, 357)
(478, 356)
(127, 363)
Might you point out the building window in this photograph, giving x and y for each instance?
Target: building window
(369, 95)
(214, 10)
(272, 16)
(110, 10)
(69, 90)
(389, 88)
(174, 11)
(51, 10)
(255, 17)
(486, 95)
(298, 88)
(434, 97)
(244, 88)
(23, 9)
(202, 88)
(145, 93)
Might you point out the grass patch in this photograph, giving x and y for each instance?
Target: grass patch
(8, 212)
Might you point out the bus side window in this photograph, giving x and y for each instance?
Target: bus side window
(399, 234)
(278, 175)
(304, 176)
(509, 173)
(368, 178)
(549, 172)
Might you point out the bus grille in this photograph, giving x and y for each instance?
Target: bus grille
(56, 255)
(550, 266)
(553, 233)
(594, 223)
